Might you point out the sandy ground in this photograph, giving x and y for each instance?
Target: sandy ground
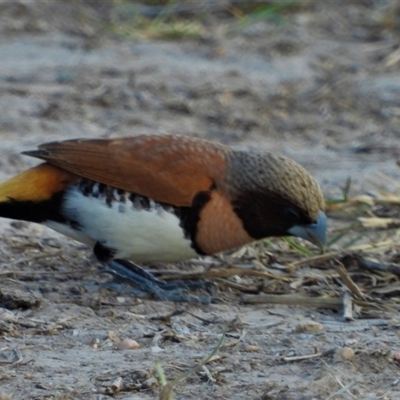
(322, 87)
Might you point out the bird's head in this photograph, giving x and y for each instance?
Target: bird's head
(275, 196)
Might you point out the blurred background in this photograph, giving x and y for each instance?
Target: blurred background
(317, 81)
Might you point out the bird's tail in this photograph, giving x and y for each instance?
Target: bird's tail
(35, 194)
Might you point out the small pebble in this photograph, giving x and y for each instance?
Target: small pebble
(344, 353)
(396, 355)
(128, 344)
(309, 327)
(351, 342)
(251, 349)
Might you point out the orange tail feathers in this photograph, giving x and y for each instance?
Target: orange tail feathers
(36, 184)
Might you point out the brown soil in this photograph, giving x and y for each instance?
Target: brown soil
(322, 86)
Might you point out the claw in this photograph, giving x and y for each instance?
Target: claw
(145, 283)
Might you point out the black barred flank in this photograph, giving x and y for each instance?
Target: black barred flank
(189, 216)
(139, 202)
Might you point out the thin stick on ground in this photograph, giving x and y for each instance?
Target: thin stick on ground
(301, 358)
(346, 279)
(342, 390)
(166, 391)
(347, 306)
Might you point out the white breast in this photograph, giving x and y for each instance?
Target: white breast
(136, 233)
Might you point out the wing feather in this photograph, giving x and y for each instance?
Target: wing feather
(170, 169)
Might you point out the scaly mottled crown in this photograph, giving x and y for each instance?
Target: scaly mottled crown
(276, 175)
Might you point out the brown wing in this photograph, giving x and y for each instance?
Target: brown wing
(170, 169)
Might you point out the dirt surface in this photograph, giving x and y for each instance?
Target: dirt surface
(322, 86)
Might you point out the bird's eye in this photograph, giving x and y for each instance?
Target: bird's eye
(292, 214)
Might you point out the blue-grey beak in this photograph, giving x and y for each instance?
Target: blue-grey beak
(314, 233)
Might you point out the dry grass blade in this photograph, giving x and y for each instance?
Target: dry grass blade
(166, 392)
(393, 182)
(345, 388)
(313, 260)
(293, 300)
(316, 302)
(342, 390)
(42, 272)
(379, 223)
(346, 279)
(376, 247)
(223, 273)
(301, 358)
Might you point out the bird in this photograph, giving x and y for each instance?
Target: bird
(163, 198)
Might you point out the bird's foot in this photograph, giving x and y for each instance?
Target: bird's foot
(145, 283)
